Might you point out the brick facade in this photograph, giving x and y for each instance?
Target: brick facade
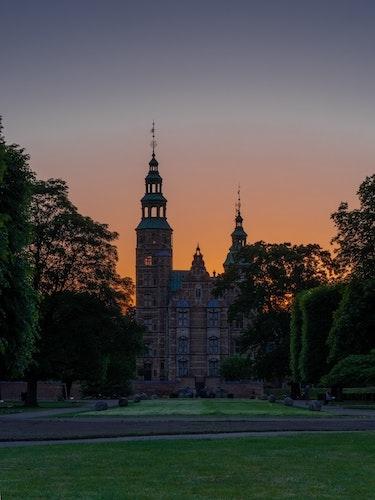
(187, 330)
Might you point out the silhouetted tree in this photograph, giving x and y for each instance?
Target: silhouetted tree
(356, 233)
(85, 339)
(18, 313)
(265, 280)
(71, 253)
(317, 306)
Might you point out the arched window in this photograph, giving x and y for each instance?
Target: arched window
(183, 345)
(213, 318)
(182, 368)
(213, 345)
(213, 368)
(183, 317)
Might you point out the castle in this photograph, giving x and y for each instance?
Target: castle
(187, 330)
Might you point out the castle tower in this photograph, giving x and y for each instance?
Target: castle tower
(153, 270)
(239, 236)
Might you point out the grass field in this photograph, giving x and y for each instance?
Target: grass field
(306, 466)
(203, 407)
(18, 407)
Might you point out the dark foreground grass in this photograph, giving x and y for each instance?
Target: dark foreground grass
(307, 466)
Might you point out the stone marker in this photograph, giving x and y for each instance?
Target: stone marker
(271, 398)
(100, 406)
(288, 401)
(315, 405)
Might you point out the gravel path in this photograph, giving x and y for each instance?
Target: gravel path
(55, 429)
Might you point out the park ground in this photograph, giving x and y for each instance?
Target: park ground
(201, 407)
(330, 465)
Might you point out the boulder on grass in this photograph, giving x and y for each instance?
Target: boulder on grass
(100, 406)
(123, 402)
(137, 398)
(272, 398)
(143, 396)
(315, 405)
(154, 396)
(288, 401)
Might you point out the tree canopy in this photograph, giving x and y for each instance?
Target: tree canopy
(355, 238)
(353, 371)
(18, 311)
(70, 251)
(264, 281)
(317, 306)
(353, 328)
(85, 339)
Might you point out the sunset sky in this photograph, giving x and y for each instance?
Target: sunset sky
(278, 95)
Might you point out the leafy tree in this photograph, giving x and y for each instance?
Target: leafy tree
(352, 371)
(18, 314)
(317, 307)
(71, 251)
(236, 368)
(86, 339)
(353, 329)
(356, 233)
(264, 282)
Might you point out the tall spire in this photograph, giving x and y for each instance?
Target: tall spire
(239, 235)
(154, 204)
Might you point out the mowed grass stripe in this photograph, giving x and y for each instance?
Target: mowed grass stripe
(204, 407)
(304, 466)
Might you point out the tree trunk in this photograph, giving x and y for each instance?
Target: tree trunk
(68, 385)
(31, 394)
(295, 390)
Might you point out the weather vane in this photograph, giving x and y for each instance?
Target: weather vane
(153, 142)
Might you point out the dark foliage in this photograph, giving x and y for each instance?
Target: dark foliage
(356, 233)
(18, 312)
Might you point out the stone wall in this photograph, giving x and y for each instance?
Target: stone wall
(242, 389)
(47, 391)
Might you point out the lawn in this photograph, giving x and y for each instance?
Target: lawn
(19, 407)
(204, 407)
(335, 465)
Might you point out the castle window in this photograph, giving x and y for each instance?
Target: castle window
(148, 350)
(213, 368)
(213, 345)
(198, 292)
(147, 371)
(182, 368)
(148, 260)
(147, 301)
(183, 318)
(148, 324)
(213, 318)
(183, 345)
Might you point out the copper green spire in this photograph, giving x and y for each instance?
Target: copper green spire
(239, 235)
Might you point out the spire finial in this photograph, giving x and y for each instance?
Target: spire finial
(238, 204)
(153, 142)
